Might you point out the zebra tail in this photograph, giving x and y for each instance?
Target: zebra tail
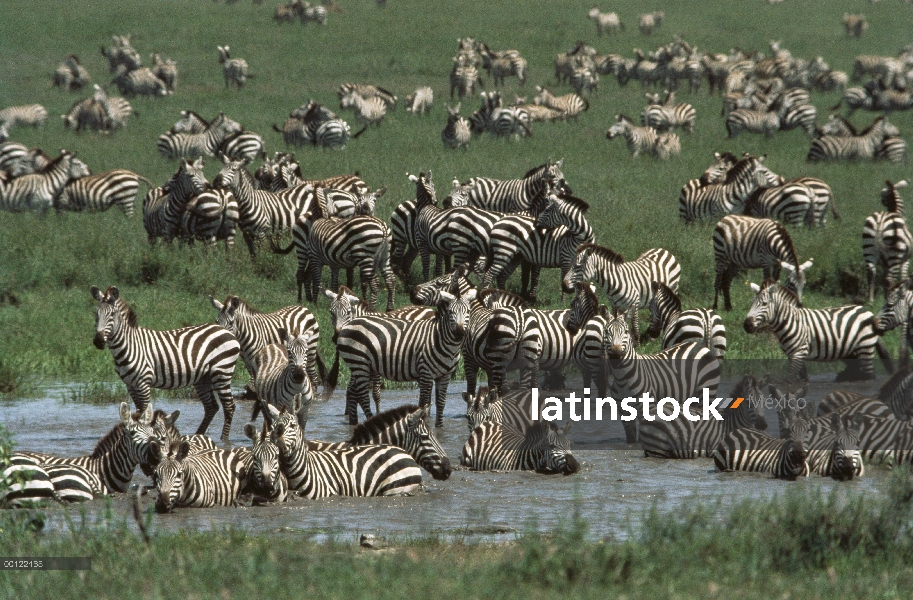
(146, 181)
(382, 255)
(884, 355)
(836, 106)
(277, 250)
(586, 104)
(276, 128)
(833, 204)
(332, 379)
(363, 129)
(321, 367)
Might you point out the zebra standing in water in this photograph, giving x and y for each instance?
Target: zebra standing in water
(897, 311)
(838, 333)
(97, 193)
(829, 147)
(627, 284)
(886, 240)
(234, 69)
(371, 470)
(750, 450)
(37, 191)
(282, 379)
(202, 356)
(514, 195)
(645, 140)
(667, 319)
(456, 134)
(698, 201)
(514, 408)
(199, 480)
(741, 242)
(499, 447)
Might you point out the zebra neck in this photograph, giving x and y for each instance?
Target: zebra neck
(625, 367)
(123, 336)
(785, 318)
(668, 316)
(446, 339)
(582, 232)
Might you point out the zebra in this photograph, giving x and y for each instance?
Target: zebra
(499, 447)
(86, 114)
(141, 81)
(513, 408)
(117, 110)
(210, 216)
(25, 483)
(801, 115)
(883, 439)
(505, 63)
(165, 430)
(755, 451)
(501, 121)
(367, 91)
(537, 112)
(234, 70)
(892, 149)
(650, 21)
(741, 242)
(29, 115)
(644, 139)
(678, 372)
(855, 25)
(193, 145)
(163, 208)
(166, 70)
(264, 478)
(515, 195)
(663, 117)
(426, 351)
(842, 460)
(96, 193)
(667, 319)
(886, 240)
(121, 53)
(263, 212)
(584, 79)
(456, 134)
(569, 105)
(698, 201)
(71, 75)
(752, 121)
(369, 111)
(404, 248)
(897, 311)
(420, 101)
(190, 122)
(344, 204)
(606, 23)
(200, 480)
(838, 333)
(243, 145)
(255, 330)
(37, 191)
(627, 284)
(282, 378)
(334, 133)
(308, 13)
(683, 438)
(203, 356)
(850, 148)
(464, 78)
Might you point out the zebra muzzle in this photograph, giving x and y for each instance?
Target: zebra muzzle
(750, 326)
(441, 472)
(99, 340)
(614, 351)
(298, 374)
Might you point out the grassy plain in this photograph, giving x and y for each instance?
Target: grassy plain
(47, 264)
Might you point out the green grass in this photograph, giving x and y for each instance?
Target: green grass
(47, 265)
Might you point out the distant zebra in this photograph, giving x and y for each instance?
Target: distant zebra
(650, 21)
(852, 147)
(193, 145)
(334, 133)
(200, 480)
(662, 117)
(369, 111)
(70, 74)
(676, 326)
(801, 115)
(166, 70)
(141, 81)
(29, 115)
(750, 450)
(86, 114)
(838, 333)
(741, 242)
(855, 25)
(505, 63)
(514, 195)
(245, 144)
(315, 14)
(121, 53)
(897, 311)
(420, 101)
(464, 78)
(117, 110)
(282, 379)
(37, 191)
(210, 216)
(584, 80)
(893, 149)
(627, 284)
(97, 193)
(537, 112)
(752, 121)
(164, 207)
(644, 140)
(190, 122)
(886, 240)
(370, 470)
(202, 355)
(500, 447)
(698, 201)
(606, 22)
(366, 92)
(234, 70)
(570, 105)
(456, 134)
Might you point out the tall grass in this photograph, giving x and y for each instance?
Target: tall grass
(47, 264)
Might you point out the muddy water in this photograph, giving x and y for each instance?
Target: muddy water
(614, 487)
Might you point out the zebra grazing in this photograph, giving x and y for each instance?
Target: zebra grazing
(366, 92)
(369, 111)
(420, 101)
(210, 216)
(685, 438)
(193, 145)
(886, 240)
(663, 117)
(543, 448)
(855, 25)
(282, 379)
(166, 70)
(839, 333)
(164, 207)
(627, 284)
(202, 356)
(139, 82)
(456, 134)
(897, 311)
(515, 195)
(464, 77)
(505, 63)
(650, 21)
(37, 191)
(645, 140)
(606, 23)
(97, 193)
(369, 470)
(864, 146)
(752, 121)
(426, 351)
(667, 319)
(698, 201)
(30, 115)
(233, 69)
(264, 478)
(200, 480)
(71, 75)
(754, 451)
(741, 242)
(682, 371)
(569, 105)
(255, 330)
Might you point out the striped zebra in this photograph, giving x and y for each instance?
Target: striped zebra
(847, 402)
(243, 145)
(886, 240)
(839, 333)
(587, 317)
(420, 101)
(25, 484)
(456, 133)
(884, 440)
(190, 122)
(234, 70)
(263, 212)
(193, 145)
(752, 121)
(29, 115)
(501, 64)
(164, 207)
(202, 356)
(627, 284)
(367, 91)
(464, 77)
(86, 114)
(644, 140)
(121, 53)
(543, 448)
(334, 133)
(650, 21)
(893, 149)
(698, 201)
(37, 191)
(852, 147)
(97, 193)
(513, 407)
(584, 80)
(368, 111)
(282, 378)
(369, 470)
(426, 351)
(663, 117)
(675, 326)
(515, 195)
(404, 248)
(141, 82)
(569, 105)
(606, 23)
(897, 311)
(315, 14)
(117, 110)
(741, 242)
(801, 115)
(255, 330)
(264, 478)
(210, 216)
(537, 112)
(166, 70)
(70, 74)
(499, 120)
(200, 480)
(165, 430)
(678, 372)
(754, 451)
(684, 438)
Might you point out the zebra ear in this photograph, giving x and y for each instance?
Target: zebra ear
(215, 303)
(330, 294)
(283, 334)
(96, 293)
(273, 410)
(787, 267)
(755, 287)
(155, 448)
(250, 430)
(901, 184)
(183, 450)
(471, 294)
(567, 428)
(146, 417)
(446, 297)
(380, 192)
(112, 293)
(836, 423)
(234, 303)
(467, 398)
(171, 419)
(603, 311)
(126, 416)
(806, 264)
(198, 163)
(412, 178)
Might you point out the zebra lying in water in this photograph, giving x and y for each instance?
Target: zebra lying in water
(500, 447)
(754, 451)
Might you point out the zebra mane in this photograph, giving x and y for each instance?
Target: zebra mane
(868, 129)
(787, 293)
(364, 432)
(602, 252)
(739, 168)
(625, 119)
(51, 165)
(574, 201)
(742, 385)
(243, 306)
(847, 124)
(583, 286)
(788, 241)
(383, 91)
(536, 170)
(505, 298)
(670, 295)
(896, 381)
(110, 439)
(196, 115)
(892, 198)
(126, 310)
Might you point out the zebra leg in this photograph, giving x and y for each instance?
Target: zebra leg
(630, 431)
(534, 284)
(426, 263)
(440, 393)
(870, 268)
(140, 393)
(390, 283)
(251, 245)
(376, 383)
(472, 372)
(312, 285)
(210, 406)
(369, 277)
(728, 277)
(405, 265)
(350, 279)
(334, 279)
(635, 325)
(222, 390)
(356, 395)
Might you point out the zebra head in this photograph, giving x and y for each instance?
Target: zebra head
(748, 415)
(455, 311)
(109, 315)
(265, 476)
(168, 475)
(344, 307)
(554, 447)
(428, 293)
(458, 197)
(138, 434)
(619, 127)
(227, 312)
(296, 348)
(286, 433)
(424, 189)
(716, 173)
(663, 302)
(562, 210)
(163, 430)
(365, 203)
(763, 305)
(789, 413)
(895, 309)
(189, 179)
(478, 408)
(229, 176)
(453, 113)
(846, 459)
(78, 169)
(582, 269)
(584, 307)
(616, 338)
(795, 277)
(424, 445)
(793, 459)
(190, 122)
